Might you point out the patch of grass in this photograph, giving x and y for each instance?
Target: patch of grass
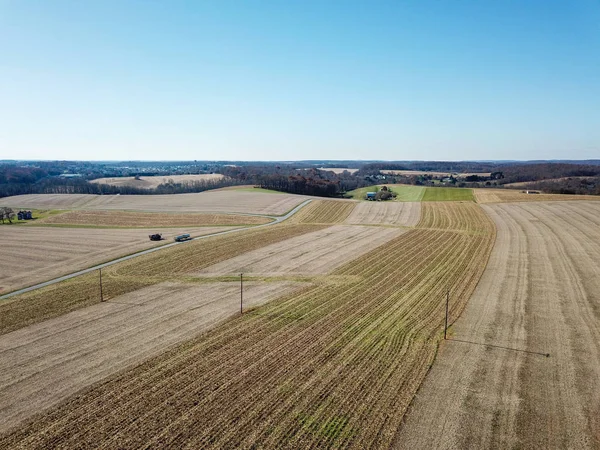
(37, 214)
(404, 192)
(361, 193)
(407, 193)
(439, 194)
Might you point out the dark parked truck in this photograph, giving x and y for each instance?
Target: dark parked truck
(183, 237)
(155, 237)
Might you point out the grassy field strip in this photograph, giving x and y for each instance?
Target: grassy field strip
(445, 194)
(405, 193)
(333, 366)
(51, 301)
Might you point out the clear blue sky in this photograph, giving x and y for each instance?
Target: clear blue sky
(285, 80)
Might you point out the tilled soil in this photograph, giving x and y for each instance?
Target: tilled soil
(386, 213)
(145, 220)
(228, 201)
(314, 253)
(46, 362)
(34, 254)
(492, 385)
(334, 365)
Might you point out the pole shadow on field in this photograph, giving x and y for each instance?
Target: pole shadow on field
(547, 355)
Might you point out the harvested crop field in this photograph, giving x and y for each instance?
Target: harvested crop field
(386, 213)
(492, 385)
(515, 195)
(335, 365)
(140, 219)
(324, 211)
(34, 254)
(128, 276)
(315, 253)
(221, 201)
(152, 182)
(76, 350)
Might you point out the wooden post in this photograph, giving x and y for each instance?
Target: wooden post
(241, 293)
(101, 296)
(446, 321)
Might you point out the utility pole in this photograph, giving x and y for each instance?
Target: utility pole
(101, 296)
(241, 293)
(446, 321)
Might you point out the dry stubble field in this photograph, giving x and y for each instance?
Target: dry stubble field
(540, 294)
(31, 255)
(386, 213)
(45, 363)
(334, 365)
(128, 276)
(153, 182)
(130, 219)
(516, 195)
(217, 201)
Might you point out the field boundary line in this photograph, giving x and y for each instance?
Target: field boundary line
(278, 219)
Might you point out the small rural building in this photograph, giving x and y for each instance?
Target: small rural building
(371, 195)
(24, 215)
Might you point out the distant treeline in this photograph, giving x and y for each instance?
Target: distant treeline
(288, 178)
(545, 171)
(430, 166)
(58, 185)
(580, 186)
(51, 177)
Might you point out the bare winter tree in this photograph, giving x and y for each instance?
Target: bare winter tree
(7, 213)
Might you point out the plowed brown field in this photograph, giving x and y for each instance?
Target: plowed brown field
(140, 219)
(386, 213)
(335, 365)
(44, 363)
(51, 301)
(492, 385)
(218, 201)
(315, 253)
(324, 211)
(34, 254)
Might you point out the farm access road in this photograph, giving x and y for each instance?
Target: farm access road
(492, 385)
(276, 220)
